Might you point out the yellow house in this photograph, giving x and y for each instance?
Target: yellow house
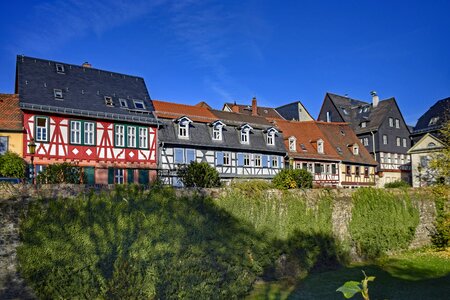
(11, 124)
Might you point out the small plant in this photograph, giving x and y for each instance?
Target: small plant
(200, 175)
(397, 184)
(60, 173)
(12, 165)
(292, 179)
(350, 288)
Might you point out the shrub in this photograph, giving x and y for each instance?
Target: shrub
(200, 175)
(382, 221)
(251, 187)
(60, 173)
(292, 179)
(397, 184)
(12, 165)
(440, 237)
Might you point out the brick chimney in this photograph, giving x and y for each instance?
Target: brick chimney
(375, 99)
(254, 107)
(234, 107)
(86, 65)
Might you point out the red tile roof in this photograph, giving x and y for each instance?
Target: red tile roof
(306, 133)
(170, 110)
(11, 117)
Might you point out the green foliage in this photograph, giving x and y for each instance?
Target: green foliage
(132, 244)
(441, 161)
(382, 221)
(351, 288)
(60, 173)
(441, 235)
(200, 175)
(397, 184)
(12, 165)
(292, 179)
(252, 187)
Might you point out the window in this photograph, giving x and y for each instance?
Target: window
(143, 138)
(89, 133)
(41, 129)
(183, 129)
(328, 116)
(245, 133)
(217, 132)
(318, 168)
(119, 176)
(3, 144)
(348, 170)
(320, 146)
(363, 124)
(60, 68)
(333, 169)
(120, 135)
(246, 160)
(431, 145)
(398, 141)
(257, 160)
(433, 121)
(271, 138)
(395, 158)
(275, 162)
(397, 123)
(58, 94)
(131, 136)
(123, 102)
(310, 167)
(109, 101)
(424, 161)
(303, 147)
(190, 155)
(344, 110)
(357, 171)
(355, 150)
(391, 122)
(226, 158)
(404, 143)
(385, 139)
(219, 158)
(75, 132)
(366, 141)
(292, 144)
(366, 171)
(179, 156)
(139, 104)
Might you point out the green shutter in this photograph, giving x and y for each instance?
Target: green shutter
(143, 176)
(110, 175)
(89, 173)
(130, 175)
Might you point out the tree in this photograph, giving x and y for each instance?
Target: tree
(60, 173)
(12, 165)
(440, 163)
(292, 179)
(199, 175)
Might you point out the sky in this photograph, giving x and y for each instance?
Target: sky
(226, 51)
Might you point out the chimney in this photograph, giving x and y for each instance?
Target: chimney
(254, 107)
(375, 98)
(86, 65)
(235, 108)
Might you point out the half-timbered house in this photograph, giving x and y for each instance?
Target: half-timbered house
(99, 120)
(237, 145)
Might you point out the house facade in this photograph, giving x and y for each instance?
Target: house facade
(99, 120)
(11, 124)
(239, 146)
(381, 129)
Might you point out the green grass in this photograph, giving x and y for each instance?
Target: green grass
(410, 275)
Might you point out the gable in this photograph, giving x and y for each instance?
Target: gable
(423, 144)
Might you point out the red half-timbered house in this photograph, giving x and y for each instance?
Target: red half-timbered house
(99, 120)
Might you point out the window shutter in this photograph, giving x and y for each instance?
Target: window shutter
(130, 176)
(190, 155)
(110, 175)
(219, 158)
(280, 162)
(264, 161)
(240, 158)
(178, 159)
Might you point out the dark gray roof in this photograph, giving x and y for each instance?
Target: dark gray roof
(440, 110)
(200, 135)
(238, 119)
(83, 90)
(355, 112)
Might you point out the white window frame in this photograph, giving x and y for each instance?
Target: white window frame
(271, 138)
(123, 103)
(109, 101)
(217, 132)
(404, 143)
(226, 159)
(143, 137)
(363, 124)
(131, 136)
(58, 93)
(60, 69)
(355, 150)
(258, 160)
(119, 176)
(245, 135)
(366, 141)
(119, 132)
(274, 162)
(42, 130)
(139, 102)
(293, 144)
(320, 146)
(89, 133)
(183, 129)
(385, 139)
(391, 122)
(397, 123)
(398, 141)
(247, 160)
(75, 132)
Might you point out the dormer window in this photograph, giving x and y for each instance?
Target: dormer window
(355, 149)
(320, 146)
(59, 68)
(139, 104)
(217, 130)
(58, 94)
(433, 121)
(271, 136)
(109, 101)
(123, 103)
(363, 124)
(303, 147)
(245, 134)
(344, 110)
(183, 127)
(292, 144)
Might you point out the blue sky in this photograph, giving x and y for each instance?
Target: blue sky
(219, 51)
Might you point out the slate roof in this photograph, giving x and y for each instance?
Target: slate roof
(263, 111)
(200, 132)
(341, 135)
(307, 133)
(11, 116)
(356, 114)
(441, 110)
(83, 90)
